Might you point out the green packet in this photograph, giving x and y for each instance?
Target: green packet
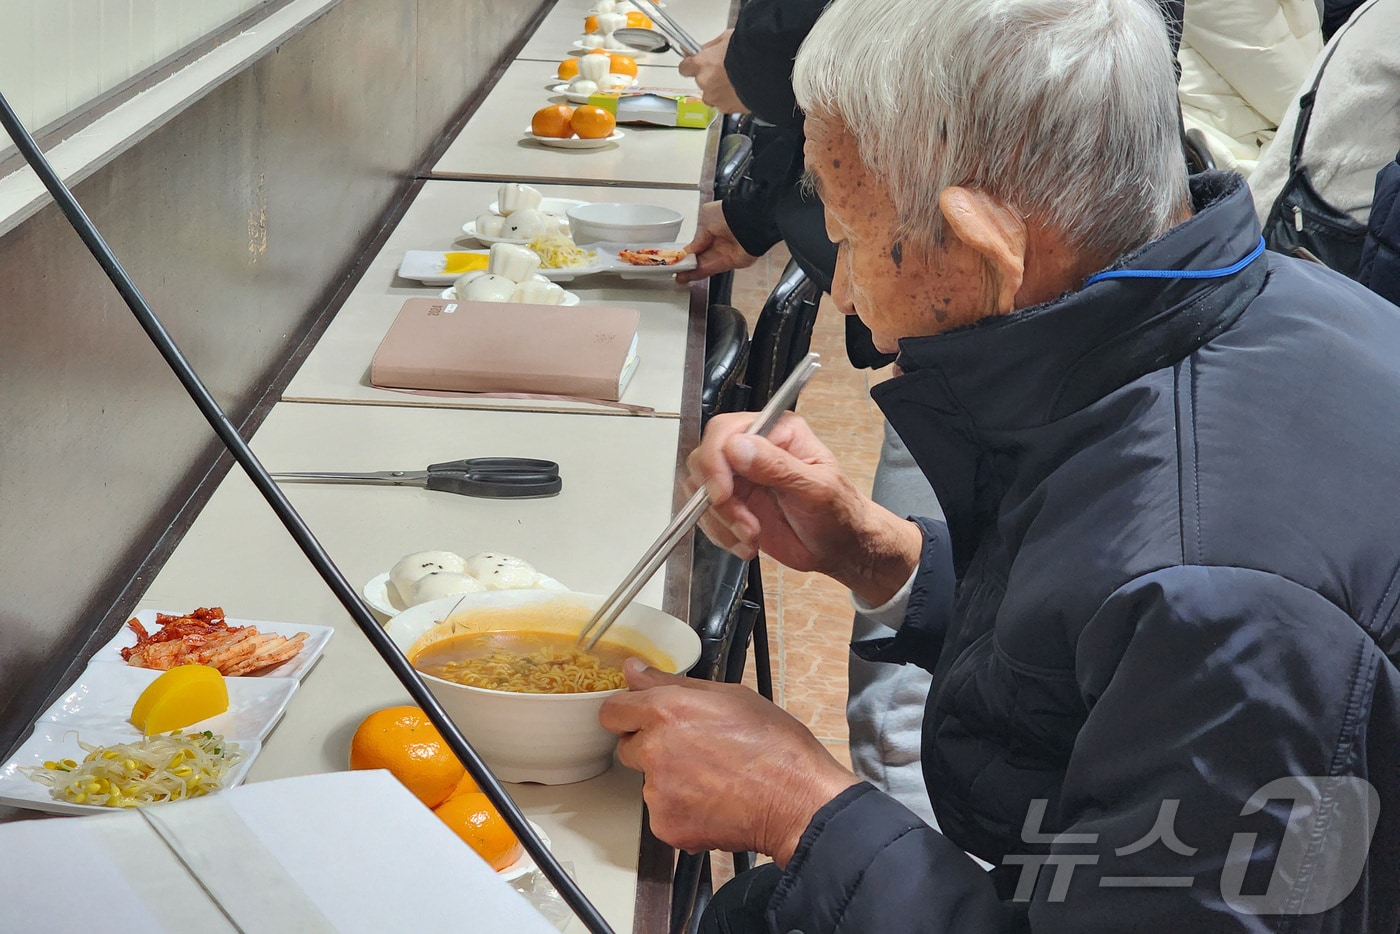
(657, 106)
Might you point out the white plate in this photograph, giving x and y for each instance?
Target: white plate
(469, 229)
(418, 264)
(555, 142)
(450, 293)
(378, 594)
(610, 261)
(311, 647)
(641, 58)
(572, 272)
(426, 266)
(576, 98)
(525, 864)
(101, 701)
(555, 207)
(54, 741)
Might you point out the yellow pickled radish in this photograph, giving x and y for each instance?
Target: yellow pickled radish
(457, 263)
(180, 697)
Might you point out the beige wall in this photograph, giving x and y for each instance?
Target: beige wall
(236, 219)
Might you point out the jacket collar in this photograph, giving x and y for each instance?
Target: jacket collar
(969, 397)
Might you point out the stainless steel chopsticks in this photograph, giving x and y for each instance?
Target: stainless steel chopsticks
(690, 514)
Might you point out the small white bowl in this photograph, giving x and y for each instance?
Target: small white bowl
(553, 739)
(624, 223)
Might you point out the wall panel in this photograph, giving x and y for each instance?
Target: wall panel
(234, 218)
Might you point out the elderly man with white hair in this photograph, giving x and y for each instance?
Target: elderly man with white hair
(1163, 615)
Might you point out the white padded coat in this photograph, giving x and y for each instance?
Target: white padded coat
(1242, 61)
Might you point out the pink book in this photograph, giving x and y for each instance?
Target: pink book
(588, 352)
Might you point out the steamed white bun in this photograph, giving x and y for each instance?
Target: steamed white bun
(501, 572)
(488, 288)
(441, 584)
(526, 224)
(410, 569)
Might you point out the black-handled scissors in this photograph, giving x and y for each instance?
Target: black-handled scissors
(495, 477)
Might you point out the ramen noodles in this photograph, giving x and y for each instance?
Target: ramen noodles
(526, 662)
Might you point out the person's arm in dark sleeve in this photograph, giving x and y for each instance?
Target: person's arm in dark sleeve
(1202, 686)
(752, 212)
(919, 638)
(767, 34)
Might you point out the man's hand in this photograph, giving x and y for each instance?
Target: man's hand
(787, 497)
(725, 769)
(707, 68)
(714, 246)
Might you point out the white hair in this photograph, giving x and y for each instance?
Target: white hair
(1064, 109)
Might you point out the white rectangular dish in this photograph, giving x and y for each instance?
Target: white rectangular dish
(102, 698)
(610, 262)
(296, 668)
(57, 741)
(426, 266)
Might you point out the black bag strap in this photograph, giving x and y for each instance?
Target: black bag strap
(1305, 103)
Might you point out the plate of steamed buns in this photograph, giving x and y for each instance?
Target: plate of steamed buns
(432, 575)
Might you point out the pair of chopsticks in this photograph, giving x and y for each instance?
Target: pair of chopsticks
(668, 27)
(690, 514)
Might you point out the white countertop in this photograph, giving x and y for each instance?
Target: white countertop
(337, 369)
(617, 496)
(493, 145)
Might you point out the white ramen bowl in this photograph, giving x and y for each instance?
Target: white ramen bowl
(552, 739)
(623, 223)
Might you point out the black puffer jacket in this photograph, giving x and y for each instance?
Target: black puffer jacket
(1174, 518)
(1380, 257)
(758, 63)
(767, 35)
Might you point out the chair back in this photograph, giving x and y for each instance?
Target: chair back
(782, 334)
(732, 164)
(726, 359)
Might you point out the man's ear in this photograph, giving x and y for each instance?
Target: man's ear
(995, 232)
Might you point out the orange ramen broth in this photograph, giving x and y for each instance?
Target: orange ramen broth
(527, 662)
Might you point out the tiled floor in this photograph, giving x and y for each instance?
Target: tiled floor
(809, 615)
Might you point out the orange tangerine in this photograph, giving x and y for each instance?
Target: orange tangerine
(591, 122)
(590, 24)
(622, 64)
(552, 121)
(568, 69)
(466, 786)
(638, 20)
(404, 741)
(482, 828)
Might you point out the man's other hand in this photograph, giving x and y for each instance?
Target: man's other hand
(707, 68)
(715, 248)
(725, 769)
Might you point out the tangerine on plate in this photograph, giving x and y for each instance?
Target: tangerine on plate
(553, 121)
(622, 64)
(404, 741)
(568, 69)
(481, 827)
(590, 24)
(639, 20)
(591, 122)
